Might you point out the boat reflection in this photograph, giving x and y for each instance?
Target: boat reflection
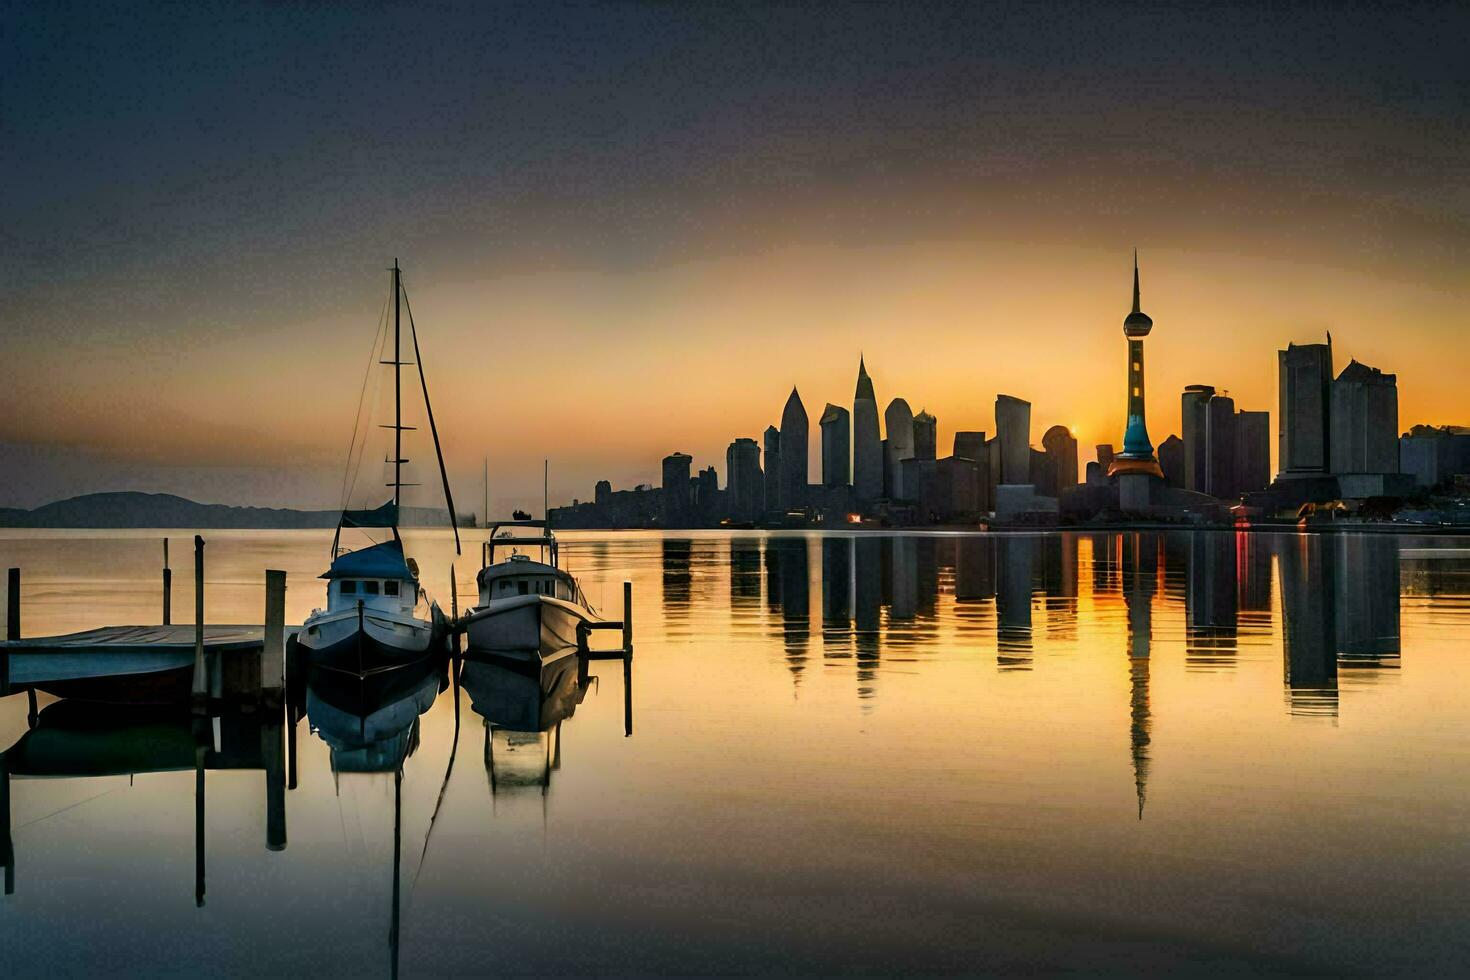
(523, 710)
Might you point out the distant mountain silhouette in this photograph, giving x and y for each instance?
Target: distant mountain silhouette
(130, 509)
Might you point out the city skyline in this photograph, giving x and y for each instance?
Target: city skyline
(702, 207)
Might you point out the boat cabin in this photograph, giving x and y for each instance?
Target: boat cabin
(521, 575)
(518, 574)
(379, 577)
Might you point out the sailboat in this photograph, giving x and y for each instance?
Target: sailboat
(378, 616)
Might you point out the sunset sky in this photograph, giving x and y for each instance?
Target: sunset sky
(630, 229)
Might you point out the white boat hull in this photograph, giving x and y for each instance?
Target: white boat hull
(380, 639)
(529, 623)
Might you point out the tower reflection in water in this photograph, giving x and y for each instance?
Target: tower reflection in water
(880, 593)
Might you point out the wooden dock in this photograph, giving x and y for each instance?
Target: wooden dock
(152, 664)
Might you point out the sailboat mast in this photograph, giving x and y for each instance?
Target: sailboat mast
(397, 395)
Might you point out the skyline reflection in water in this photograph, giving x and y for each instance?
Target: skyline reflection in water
(853, 751)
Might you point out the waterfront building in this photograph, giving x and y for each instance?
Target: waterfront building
(1220, 440)
(1252, 451)
(867, 444)
(836, 430)
(1435, 455)
(1364, 421)
(1194, 419)
(1137, 458)
(794, 433)
(676, 494)
(1061, 447)
(1304, 379)
(745, 484)
(1013, 430)
(1105, 456)
(1171, 461)
(898, 421)
(957, 488)
(773, 468)
(970, 445)
(926, 436)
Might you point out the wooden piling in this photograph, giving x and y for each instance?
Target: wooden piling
(7, 843)
(168, 588)
(628, 695)
(200, 690)
(272, 748)
(273, 649)
(12, 625)
(199, 751)
(627, 618)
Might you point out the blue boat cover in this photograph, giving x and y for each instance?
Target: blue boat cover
(380, 561)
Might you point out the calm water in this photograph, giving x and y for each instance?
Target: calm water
(908, 753)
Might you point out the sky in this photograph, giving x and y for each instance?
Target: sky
(629, 229)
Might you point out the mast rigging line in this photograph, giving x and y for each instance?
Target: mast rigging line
(349, 475)
(429, 412)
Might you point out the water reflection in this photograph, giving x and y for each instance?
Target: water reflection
(1140, 581)
(1339, 598)
(100, 742)
(523, 709)
(1155, 690)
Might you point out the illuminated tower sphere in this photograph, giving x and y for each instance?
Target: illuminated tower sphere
(1138, 452)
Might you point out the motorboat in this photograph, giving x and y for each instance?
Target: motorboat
(527, 604)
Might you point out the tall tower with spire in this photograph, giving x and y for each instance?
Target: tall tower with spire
(867, 443)
(1137, 456)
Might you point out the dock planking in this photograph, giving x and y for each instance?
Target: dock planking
(122, 650)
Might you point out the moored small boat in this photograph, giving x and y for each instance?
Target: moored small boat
(526, 605)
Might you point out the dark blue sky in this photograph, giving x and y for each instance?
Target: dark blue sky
(174, 173)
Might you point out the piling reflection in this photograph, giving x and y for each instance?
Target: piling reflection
(73, 739)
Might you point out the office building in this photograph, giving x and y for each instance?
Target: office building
(898, 421)
(773, 469)
(794, 434)
(1304, 380)
(867, 442)
(836, 434)
(745, 484)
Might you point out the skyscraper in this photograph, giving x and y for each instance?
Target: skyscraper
(1013, 429)
(836, 426)
(1304, 376)
(773, 468)
(1137, 456)
(867, 443)
(678, 494)
(898, 419)
(1061, 446)
(794, 434)
(1171, 461)
(1365, 421)
(745, 484)
(1194, 418)
(969, 445)
(926, 436)
(1252, 451)
(1220, 439)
